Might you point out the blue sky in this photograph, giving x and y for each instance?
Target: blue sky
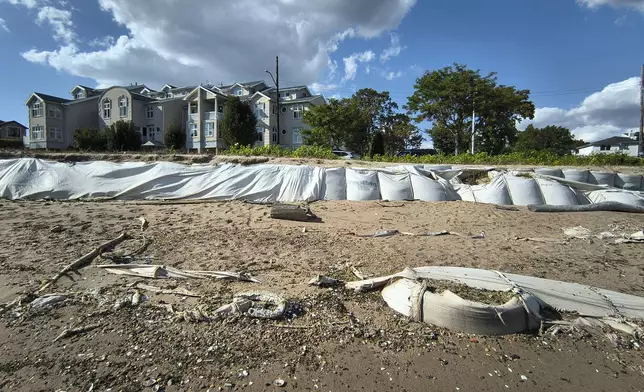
(579, 58)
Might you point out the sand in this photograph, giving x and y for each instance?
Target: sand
(341, 340)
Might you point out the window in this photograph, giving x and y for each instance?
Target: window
(297, 111)
(260, 107)
(80, 94)
(210, 129)
(193, 129)
(150, 112)
(297, 135)
(123, 107)
(13, 132)
(285, 96)
(36, 109)
(169, 95)
(283, 131)
(274, 136)
(220, 108)
(107, 108)
(239, 92)
(283, 110)
(259, 133)
(37, 132)
(151, 132)
(145, 131)
(55, 112)
(604, 148)
(55, 134)
(193, 109)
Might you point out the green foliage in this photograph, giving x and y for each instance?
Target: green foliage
(341, 123)
(90, 139)
(557, 140)
(279, 151)
(174, 137)
(544, 158)
(377, 144)
(12, 144)
(238, 125)
(447, 97)
(122, 136)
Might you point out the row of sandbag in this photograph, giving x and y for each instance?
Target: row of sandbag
(507, 189)
(631, 182)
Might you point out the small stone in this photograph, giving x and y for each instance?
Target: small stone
(524, 378)
(279, 382)
(57, 229)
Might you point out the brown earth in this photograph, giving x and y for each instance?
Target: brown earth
(334, 340)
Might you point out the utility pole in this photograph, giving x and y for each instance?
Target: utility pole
(640, 149)
(277, 90)
(473, 128)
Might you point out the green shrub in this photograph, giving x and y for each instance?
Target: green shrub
(90, 139)
(11, 143)
(279, 151)
(174, 137)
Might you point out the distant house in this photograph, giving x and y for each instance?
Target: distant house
(616, 144)
(12, 130)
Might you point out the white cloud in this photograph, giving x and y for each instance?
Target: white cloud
(393, 50)
(25, 3)
(3, 25)
(392, 75)
(190, 40)
(635, 4)
(102, 42)
(60, 21)
(352, 62)
(321, 87)
(607, 113)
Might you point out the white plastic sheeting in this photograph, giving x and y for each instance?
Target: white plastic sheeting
(576, 175)
(602, 178)
(631, 182)
(549, 171)
(524, 191)
(362, 185)
(631, 198)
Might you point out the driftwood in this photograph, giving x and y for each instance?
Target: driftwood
(85, 260)
(357, 273)
(603, 206)
(293, 212)
(127, 258)
(76, 331)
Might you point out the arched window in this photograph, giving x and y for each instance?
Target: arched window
(107, 108)
(123, 106)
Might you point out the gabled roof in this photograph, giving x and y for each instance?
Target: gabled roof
(615, 140)
(141, 97)
(210, 90)
(3, 123)
(262, 94)
(46, 98)
(75, 101)
(170, 87)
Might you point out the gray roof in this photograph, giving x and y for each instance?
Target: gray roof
(51, 98)
(3, 123)
(287, 88)
(73, 101)
(301, 100)
(615, 140)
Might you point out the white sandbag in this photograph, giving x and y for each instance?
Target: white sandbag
(362, 184)
(557, 194)
(625, 197)
(602, 178)
(335, 184)
(524, 191)
(395, 186)
(465, 192)
(630, 182)
(576, 175)
(549, 171)
(427, 189)
(496, 192)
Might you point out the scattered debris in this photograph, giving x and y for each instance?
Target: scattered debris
(579, 232)
(76, 331)
(358, 274)
(506, 208)
(177, 291)
(293, 212)
(325, 281)
(635, 238)
(48, 300)
(144, 223)
(544, 240)
(380, 233)
(163, 272)
(127, 258)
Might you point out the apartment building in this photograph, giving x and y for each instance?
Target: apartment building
(198, 109)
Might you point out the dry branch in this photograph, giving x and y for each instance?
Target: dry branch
(75, 331)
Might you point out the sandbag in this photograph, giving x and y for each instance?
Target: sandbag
(549, 171)
(624, 197)
(335, 184)
(556, 194)
(395, 186)
(448, 310)
(630, 182)
(576, 175)
(524, 191)
(362, 185)
(602, 178)
(426, 189)
(496, 192)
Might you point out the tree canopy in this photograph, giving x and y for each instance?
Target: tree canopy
(447, 98)
(122, 136)
(238, 124)
(555, 139)
(174, 137)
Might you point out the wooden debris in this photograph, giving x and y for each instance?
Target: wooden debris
(76, 331)
(357, 273)
(85, 260)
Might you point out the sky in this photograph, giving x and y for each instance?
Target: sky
(579, 58)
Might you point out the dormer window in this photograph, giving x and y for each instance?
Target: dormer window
(80, 94)
(239, 92)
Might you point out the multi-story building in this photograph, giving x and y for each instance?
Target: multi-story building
(197, 109)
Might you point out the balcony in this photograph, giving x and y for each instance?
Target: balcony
(194, 117)
(213, 116)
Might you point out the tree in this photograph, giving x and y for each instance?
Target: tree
(339, 124)
(377, 108)
(555, 139)
(238, 125)
(174, 137)
(90, 139)
(377, 145)
(400, 133)
(122, 136)
(447, 97)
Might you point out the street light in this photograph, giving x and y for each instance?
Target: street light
(276, 81)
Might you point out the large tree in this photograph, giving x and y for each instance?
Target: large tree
(399, 133)
(339, 124)
(238, 124)
(447, 98)
(174, 137)
(555, 139)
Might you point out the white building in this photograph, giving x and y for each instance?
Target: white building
(616, 144)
